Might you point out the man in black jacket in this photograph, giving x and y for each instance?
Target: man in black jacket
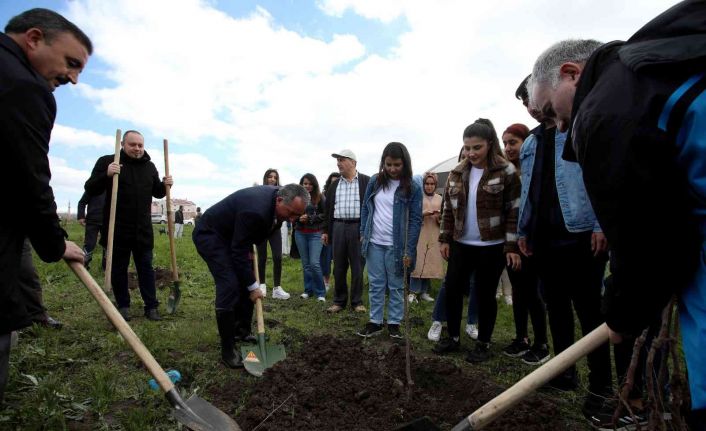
(342, 229)
(179, 222)
(638, 110)
(39, 51)
(138, 182)
(224, 238)
(92, 220)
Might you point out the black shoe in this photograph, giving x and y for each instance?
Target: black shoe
(226, 329)
(153, 314)
(446, 345)
(598, 409)
(394, 331)
(231, 357)
(566, 381)
(371, 329)
(516, 348)
(49, 322)
(537, 355)
(125, 312)
(481, 353)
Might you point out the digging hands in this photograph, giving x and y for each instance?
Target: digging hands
(73, 252)
(168, 180)
(255, 294)
(113, 168)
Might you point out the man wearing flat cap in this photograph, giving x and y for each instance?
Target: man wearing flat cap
(342, 229)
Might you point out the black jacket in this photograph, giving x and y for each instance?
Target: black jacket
(27, 112)
(242, 219)
(178, 217)
(138, 182)
(316, 216)
(363, 181)
(638, 190)
(94, 214)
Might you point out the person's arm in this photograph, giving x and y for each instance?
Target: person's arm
(364, 208)
(414, 225)
(99, 181)
(511, 207)
(27, 112)
(159, 189)
(81, 210)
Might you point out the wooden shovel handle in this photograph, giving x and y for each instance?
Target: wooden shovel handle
(111, 221)
(258, 302)
(539, 377)
(121, 325)
(170, 215)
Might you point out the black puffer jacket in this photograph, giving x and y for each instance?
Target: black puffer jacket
(138, 182)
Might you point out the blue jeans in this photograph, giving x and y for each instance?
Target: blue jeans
(309, 245)
(382, 275)
(439, 313)
(419, 285)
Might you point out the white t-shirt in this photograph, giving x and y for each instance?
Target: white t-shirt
(382, 216)
(471, 232)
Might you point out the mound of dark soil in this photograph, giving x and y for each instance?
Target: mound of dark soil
(162, 278)
(345, 384)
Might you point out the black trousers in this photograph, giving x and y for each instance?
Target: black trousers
(572, 276)
(230, 294)
(275, 241)
(30, 286)
(488, 263)
(527, 300)
(145, 275)
(91, 237)
(346, 252)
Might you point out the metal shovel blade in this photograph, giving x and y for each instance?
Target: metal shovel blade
(257, 359)
(200, 415)
(174, 297)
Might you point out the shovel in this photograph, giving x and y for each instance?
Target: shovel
(111, 219)
(174, 290)
(536, 379)
(261, 357)
(195, 413)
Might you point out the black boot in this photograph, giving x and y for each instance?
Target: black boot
(226, 329)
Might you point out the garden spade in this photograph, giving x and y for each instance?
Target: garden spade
(261, 357)
(195, 413)
(531, 382)
(174, 290)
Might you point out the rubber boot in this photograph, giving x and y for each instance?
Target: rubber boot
(242, 327)
(226, 329)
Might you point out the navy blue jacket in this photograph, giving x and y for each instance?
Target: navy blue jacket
(94, 213)
(639, 121)
(242, 219)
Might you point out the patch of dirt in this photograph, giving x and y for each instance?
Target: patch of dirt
(162, 278)
(345, 384)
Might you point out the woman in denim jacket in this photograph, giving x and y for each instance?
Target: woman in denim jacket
(390, 221)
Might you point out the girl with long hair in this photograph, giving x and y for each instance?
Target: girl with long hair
(307, 234)
(390, 221)
(271, 178)
(478, 233)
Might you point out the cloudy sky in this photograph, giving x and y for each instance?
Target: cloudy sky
(241, 86)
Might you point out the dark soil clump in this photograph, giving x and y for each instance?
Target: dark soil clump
(346, 384)
(162, 278)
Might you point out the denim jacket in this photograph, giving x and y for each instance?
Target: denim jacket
(402, 208)
(573, 199)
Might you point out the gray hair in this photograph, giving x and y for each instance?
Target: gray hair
(292, 191)
(546, 68)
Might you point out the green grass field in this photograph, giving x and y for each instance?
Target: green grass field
(85, 377)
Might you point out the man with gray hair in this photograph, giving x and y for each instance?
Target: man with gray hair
(39, 51)
(635, 112)
(224, 238)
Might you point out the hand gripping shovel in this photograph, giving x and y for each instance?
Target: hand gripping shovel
(533, 381)
(195, 413)
(174, 290)
(261, 357)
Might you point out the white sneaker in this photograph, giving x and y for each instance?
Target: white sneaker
(412, 298)
(426, 297)
(508, 300)
(263, 288)
(321, 299)
(434, 333)
(279, 293)
(472, 330)
(304, 296)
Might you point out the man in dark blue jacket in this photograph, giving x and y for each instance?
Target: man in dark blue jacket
(39, 51)
(636, 114)
(224, 238)
(92, 220)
